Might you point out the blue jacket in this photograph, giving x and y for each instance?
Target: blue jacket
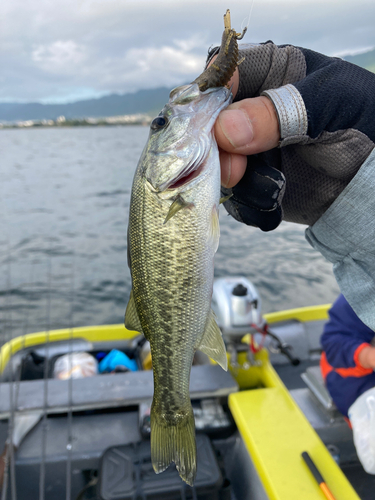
(343, 339)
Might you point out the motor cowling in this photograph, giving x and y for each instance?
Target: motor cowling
(237, 306)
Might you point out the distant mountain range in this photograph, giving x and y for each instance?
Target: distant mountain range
(365, 60)
(144, 101)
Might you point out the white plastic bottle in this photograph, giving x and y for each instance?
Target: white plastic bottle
(362, 417)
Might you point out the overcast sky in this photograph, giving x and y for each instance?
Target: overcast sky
(64, 50)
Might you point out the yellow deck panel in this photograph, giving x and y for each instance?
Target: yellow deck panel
(276, 432)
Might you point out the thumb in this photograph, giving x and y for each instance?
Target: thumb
(244, 128)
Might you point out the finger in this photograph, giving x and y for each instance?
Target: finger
(248, 127)
(234, 82)
(232, 168)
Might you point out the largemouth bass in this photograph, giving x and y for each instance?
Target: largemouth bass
(173, 235)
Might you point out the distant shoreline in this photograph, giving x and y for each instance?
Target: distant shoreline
(61, 121)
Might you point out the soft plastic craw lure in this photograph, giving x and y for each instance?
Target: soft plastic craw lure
(222, 69)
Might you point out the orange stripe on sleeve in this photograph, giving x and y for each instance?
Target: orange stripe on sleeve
(325, 367)
(355, 371)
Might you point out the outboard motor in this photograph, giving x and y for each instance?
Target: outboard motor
(237, 306)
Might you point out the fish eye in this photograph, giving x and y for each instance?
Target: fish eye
(159, 122)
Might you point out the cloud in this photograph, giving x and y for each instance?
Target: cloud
(65, 61)
(54, 51)
(194, 42)
(164, 63)
(60, 56)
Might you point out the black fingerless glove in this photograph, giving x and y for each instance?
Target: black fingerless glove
(256, 199)
(326, 114)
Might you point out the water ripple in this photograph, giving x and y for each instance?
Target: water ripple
(65, 197)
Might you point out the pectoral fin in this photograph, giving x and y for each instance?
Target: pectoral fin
(225, 198)
(214, 232)
(212, 343)
(177, 205)
(131, 316)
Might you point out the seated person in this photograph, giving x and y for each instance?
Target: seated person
(347, 365)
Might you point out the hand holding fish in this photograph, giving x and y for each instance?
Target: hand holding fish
(305, 122)
(273, 88)
(244, 128)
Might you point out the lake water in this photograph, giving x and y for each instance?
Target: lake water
(64, 201)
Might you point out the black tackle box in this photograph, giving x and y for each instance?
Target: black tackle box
(126, 473)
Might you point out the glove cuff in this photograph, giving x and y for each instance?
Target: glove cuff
(291, 110)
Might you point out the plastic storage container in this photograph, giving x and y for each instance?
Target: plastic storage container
(126, 474)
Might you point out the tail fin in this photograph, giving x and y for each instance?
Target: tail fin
(174, 443)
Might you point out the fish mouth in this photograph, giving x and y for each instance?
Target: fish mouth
(192, 174)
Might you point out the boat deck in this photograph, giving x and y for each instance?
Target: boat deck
(330, 426)
(91, 416)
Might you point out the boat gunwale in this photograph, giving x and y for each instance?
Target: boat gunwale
(115, 332)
